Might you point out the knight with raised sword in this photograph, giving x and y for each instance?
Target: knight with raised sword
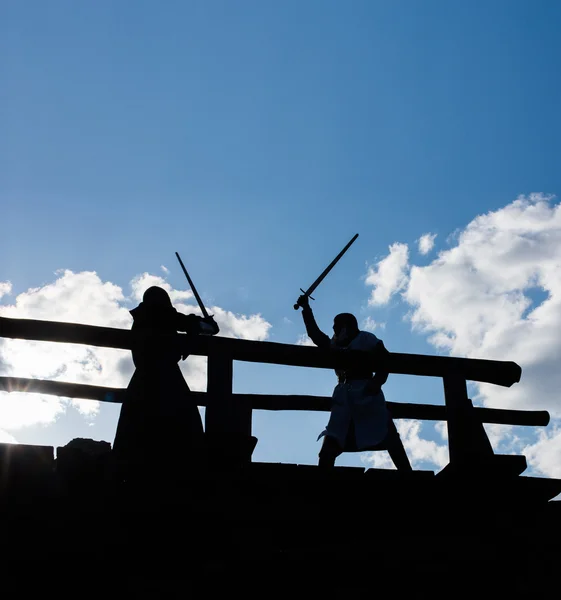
(359, 419)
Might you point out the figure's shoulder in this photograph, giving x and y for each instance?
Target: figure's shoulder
(367, 340)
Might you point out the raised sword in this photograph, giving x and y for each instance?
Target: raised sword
(193, 288)
(314, 285)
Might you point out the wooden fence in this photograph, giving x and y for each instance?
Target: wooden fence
(229, 413)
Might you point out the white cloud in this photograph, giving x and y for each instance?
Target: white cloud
(545, 454)
(253, 327)
(377, 460)
(476, 298)
(23, 410)
(304, 340)
(164, 269)
(389, 275)
(142, 282)
(75, 298)
(496, 294)
(419, 450)
(442, 429)
(5, 288)
(6, 438)
(426, 242)
(369, 324)
(85, 298)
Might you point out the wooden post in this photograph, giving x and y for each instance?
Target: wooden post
(219, 393)
(467, 440)
(227, 420)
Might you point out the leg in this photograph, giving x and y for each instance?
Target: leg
(330, 450)
(395, 448)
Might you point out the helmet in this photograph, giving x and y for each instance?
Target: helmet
(156, 296)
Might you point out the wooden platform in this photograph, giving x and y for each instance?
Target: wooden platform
(275, 528)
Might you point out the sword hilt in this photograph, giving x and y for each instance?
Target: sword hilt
(297, 306)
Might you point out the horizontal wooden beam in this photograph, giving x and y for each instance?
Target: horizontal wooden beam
(399, 410)
(498, 372)
(69, 333)
(63, 389)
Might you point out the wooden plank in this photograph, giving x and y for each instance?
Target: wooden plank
(504, 373)
(399, 410)
(36, 453)
(219, 394)
(498, 465)
(71, 333)
(25, 462)
(227, 422)
(79, 391)
(504, 416)
(538, 489)
(467, 439)
(224, 413)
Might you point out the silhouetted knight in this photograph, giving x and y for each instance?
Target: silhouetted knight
(359, 418)
(159, 421)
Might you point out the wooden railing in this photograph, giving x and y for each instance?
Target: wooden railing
(230, 413)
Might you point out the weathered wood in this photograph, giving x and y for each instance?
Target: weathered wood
(71, 333)
(510, 464)
(224, 413)
(498, 465)
(505, 416)
(227, 421)
(467, 439)
(502, 373)
(399, 410)
(78, 391)
(24, 465)
(219, 393)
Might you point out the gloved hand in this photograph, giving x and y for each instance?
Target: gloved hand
(209, 325)
(303, 301)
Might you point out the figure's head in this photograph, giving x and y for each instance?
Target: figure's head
(345, 328)
(156, 297)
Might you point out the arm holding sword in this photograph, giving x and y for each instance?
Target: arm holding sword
(320, 339)
(317, 336)
(345, 330)
(194, 324)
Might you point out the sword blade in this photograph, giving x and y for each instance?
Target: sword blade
(314, 285)
(193, 288)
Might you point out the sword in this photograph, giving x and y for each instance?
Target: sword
(314, 285)
(193, 288)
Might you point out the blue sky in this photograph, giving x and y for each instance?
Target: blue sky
(256, 138)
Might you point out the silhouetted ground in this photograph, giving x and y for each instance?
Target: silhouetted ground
(269, 529)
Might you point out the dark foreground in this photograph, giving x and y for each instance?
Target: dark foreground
(267, 529)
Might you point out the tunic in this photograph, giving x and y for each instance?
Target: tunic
(368, 413)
